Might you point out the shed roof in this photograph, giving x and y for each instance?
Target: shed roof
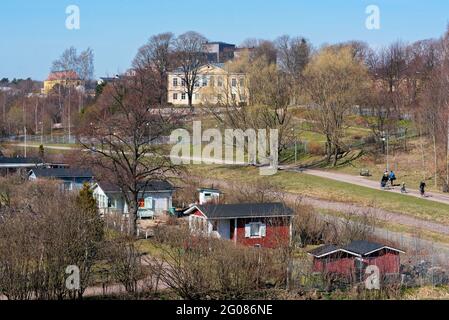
(155, 185)
(363, 247)
(62, 173)
(19, 160)
(357, 248)
(243, 210)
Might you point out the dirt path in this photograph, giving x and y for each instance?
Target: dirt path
(364, 182)
(383, 215)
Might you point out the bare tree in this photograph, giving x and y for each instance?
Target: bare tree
(157, 54)
(82, 64)
(122, 134)
(293, 56)
(190, 57)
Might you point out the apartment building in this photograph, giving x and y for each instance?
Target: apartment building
(214, 85)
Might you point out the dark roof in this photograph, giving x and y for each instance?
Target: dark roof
(62, 173)
(245, 210)
(209, 190)
(363, 247)
(6, 160)
(323, 250)
(357, 248)
(156, 185)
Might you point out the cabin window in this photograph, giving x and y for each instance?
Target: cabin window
(175, 96)
(234, 82)
(149, 203)
(68, 186)
(215, 226)
(175, 82)
(255, 230)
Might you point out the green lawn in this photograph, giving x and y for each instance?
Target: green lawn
(326, 189)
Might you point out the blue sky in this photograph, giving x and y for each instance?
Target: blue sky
(33, 32)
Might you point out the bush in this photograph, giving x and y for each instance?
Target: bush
(316, 149)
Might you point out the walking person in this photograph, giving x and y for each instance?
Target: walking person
(384, 181)
(403, 188)
(422, 188)
(392, 178)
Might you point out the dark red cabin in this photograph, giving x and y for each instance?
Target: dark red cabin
(356, 257)
(250, 224)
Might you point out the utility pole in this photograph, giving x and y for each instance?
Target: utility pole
(35, 115)
(386, 138)
(25, 140)
(296, 150)
(42, 132)
(69, 117)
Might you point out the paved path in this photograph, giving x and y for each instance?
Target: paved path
(405, 240)
(365, 182)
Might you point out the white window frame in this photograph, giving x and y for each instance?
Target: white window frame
(149, 203)
(175, 82)
(262, 230)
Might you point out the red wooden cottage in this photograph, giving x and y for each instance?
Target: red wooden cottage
(356, 257)
(251, 224)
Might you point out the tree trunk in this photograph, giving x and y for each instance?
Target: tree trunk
(133, 215)
(336, 156)
(190, 97)
(422, 155)
(435, 160)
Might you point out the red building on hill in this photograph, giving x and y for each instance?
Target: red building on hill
(356, 257)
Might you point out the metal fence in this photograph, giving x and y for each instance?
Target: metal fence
(55, 139)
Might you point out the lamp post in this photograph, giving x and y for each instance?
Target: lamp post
(42, 132)
(25, 140)
(386, 139)
(296, 145)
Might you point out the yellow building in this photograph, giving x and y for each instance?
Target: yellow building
(214, 85)
(64, 79)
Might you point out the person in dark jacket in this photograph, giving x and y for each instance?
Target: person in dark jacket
(384, 181)
(422, 188)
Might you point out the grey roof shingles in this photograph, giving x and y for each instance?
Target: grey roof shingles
(62, 173)
(246, 210)
(359, 248)
(6, 160)
(156, 185)
(323, 250)
(363, 247)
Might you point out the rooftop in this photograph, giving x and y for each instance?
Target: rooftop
(63, 75)
(243, 210)
(19, 160)
(356, 248)
(62, 173)
(156, 185)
